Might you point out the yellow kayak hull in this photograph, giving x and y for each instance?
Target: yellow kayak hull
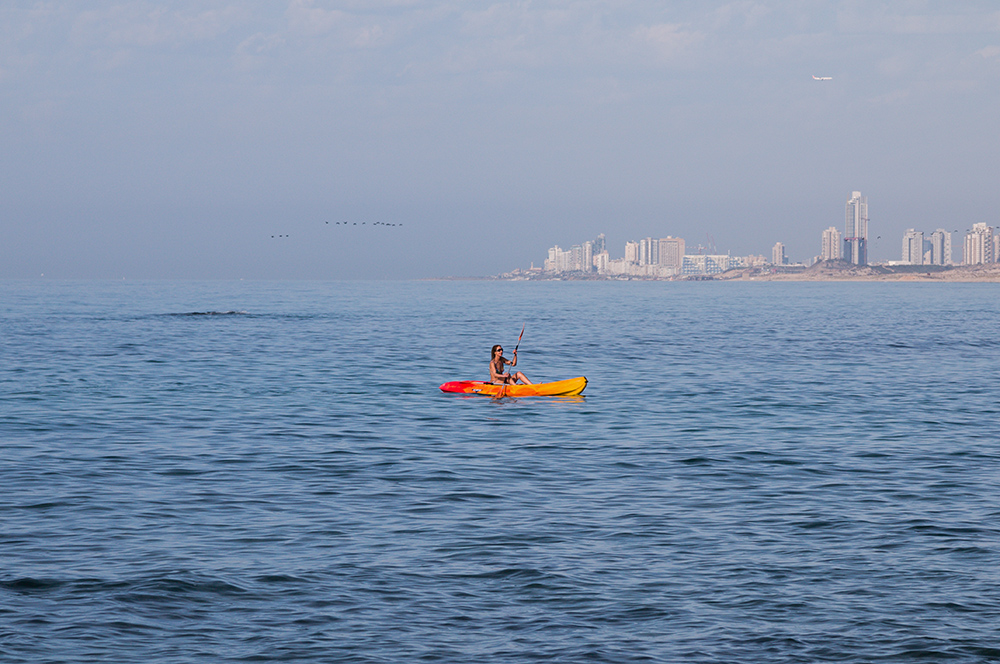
(562, 388)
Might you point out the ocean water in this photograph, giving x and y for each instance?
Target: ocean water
(258, 472)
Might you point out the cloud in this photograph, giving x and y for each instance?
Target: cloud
(989, 52)
(368, 27)
(145, 25)
(891, 97)
(746, 12)
(896, 64)
(863, 18)
(303, 16)
(253, 50)
(668, 41)
(372, 36)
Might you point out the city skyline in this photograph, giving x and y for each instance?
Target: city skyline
(980, 246)
(667, 258)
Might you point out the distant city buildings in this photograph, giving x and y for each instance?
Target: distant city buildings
(579, 258)
(778, 256)
(939, 245)
(672, 252)
(601, 261)
(710, 264)
(921, 250)
(980, 245)
(913, 247)
(632, 252)
(831, 250)
(649, 251)
(649, 257)
(856, 230)
(667, 257)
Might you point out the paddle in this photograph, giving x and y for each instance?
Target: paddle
(503, 388)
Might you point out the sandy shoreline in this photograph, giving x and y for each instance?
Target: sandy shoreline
(822, 271)
(838, 271)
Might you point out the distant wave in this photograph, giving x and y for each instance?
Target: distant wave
(212, 313)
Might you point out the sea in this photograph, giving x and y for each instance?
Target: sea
(241, 471)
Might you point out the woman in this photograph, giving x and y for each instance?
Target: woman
(497, 376)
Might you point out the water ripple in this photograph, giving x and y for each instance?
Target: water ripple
(784, 473)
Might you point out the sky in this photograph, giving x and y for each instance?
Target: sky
(173, 140)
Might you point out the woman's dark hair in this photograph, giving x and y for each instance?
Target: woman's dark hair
(494, 351)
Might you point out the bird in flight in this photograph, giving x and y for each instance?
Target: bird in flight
(822, 78)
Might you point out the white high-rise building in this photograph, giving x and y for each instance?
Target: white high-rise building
(551, 263)
(631, 252)
(601, 261)
(778, 256)
(913, 247)
(831, 245)
(978, 245)
(564, 261)
(940, 242)
(649, 251)
(559, 260)
(856, 230)
(587, 262)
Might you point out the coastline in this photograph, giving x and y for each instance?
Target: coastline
(822, 271)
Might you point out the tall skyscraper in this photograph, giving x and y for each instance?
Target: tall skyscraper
(940, 241)
(778, 256)
(631, 251)
(831, 245)
(600, 244)
(913, 247)
(978, 245)
(649, 251)
(672, 252)
(856, 231)
(552, 262)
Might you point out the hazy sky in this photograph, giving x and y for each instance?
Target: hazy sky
(152, 139)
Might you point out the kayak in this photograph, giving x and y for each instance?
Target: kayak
(560, 388)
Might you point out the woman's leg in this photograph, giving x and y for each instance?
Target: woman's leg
(524, 379)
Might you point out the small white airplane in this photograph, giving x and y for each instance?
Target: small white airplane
(822, 78)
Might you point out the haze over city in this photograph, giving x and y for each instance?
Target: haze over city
(316, 139)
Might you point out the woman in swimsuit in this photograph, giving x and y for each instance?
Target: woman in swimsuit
(497, 376)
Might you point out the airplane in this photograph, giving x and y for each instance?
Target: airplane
(822, 78)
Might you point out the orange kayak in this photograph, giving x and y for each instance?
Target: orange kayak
(561, 388)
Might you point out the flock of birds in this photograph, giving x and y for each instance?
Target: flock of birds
(374, 223)
(349, 223)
